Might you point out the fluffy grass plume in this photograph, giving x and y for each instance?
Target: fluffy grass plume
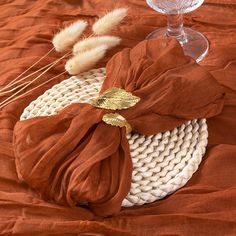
(92, 42)
(106, 23)
(84, 61)
(69, 35)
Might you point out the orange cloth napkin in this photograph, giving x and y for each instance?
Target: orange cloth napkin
(74, 156)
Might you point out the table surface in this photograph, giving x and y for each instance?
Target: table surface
(205, 206)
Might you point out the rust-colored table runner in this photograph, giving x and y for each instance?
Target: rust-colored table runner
(205, 206)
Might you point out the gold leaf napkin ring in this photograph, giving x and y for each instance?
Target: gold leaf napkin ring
(116, 99)
(116, 119)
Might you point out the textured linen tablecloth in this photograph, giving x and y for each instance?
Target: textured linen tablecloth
(205, 206)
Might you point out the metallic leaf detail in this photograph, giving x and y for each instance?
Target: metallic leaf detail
(116, 119)
(116, 99)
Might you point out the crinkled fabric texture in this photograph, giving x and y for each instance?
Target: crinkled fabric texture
(75, 157)
(205, 206)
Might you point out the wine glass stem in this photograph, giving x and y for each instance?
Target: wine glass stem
(175, 27)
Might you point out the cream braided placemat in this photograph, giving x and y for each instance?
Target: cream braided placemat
(162, 163)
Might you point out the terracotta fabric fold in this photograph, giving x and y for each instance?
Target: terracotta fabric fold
(74, 157)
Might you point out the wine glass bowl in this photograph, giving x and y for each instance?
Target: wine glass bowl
(194, 43)
(174, 6)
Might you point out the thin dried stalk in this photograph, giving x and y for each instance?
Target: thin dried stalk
(22, 95)
(20, 80)
(11, 82)
(35, 79)
(13, 89)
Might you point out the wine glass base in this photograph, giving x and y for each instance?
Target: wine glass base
(195, 44)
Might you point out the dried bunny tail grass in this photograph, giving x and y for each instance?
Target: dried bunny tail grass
(109, 21)
(68, 36)
(90, 43)
(85, 60)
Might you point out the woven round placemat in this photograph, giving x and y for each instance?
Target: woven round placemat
(162, 163)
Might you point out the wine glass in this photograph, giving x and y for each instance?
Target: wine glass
(194, 43)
